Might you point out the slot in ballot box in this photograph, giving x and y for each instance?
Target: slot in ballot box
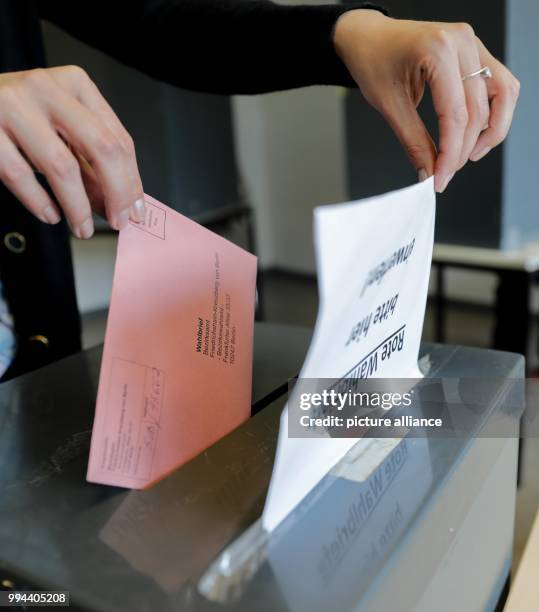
(428, 527)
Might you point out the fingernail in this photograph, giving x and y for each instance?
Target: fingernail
(422, 175)
(121, 219)
(445, 183)
(138, 211)
(85, 229)
(477, 156)
(51, 215)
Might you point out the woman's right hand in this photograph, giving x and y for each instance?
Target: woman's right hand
(57, 122)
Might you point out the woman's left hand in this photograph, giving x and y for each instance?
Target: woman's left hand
(391, 60)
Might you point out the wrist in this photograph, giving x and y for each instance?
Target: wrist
(350, 25)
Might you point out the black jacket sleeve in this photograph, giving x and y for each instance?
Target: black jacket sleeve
(219, 46)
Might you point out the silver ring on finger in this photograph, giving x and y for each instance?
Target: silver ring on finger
(484, 72)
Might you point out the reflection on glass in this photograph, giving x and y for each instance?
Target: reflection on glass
(327, 552)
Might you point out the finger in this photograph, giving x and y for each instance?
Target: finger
(92, 186)
(77, 82)
(413, 136)
(87, 134)
(503, 91)
(475, 92)
(501, 114)
(19, 178)
(49, 154)
(450, 106)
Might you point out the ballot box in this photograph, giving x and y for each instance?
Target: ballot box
(428, 527)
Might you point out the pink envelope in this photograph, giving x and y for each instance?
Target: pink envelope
(177, 362)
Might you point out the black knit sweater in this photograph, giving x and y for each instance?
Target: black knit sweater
(219, 46)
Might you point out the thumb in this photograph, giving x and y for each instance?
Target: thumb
(414, 137)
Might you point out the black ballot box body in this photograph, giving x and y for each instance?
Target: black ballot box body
(441, 510)
(491, 203)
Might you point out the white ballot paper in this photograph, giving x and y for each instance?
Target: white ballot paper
(373, 265)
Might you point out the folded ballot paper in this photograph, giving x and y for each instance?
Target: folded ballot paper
(176, 367)
(373, 263)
